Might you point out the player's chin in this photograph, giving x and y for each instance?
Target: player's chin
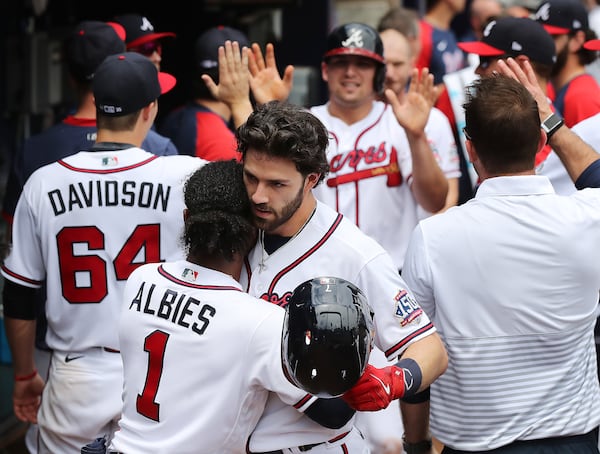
(261, 222)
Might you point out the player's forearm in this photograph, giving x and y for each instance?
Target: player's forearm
(415, 420)
(240, 112)
(429, 184)
(21, 340)
(453, 193)
(575, 154)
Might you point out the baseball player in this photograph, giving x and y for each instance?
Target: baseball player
(204, 126)
(381, 164)
(283, 148)
(89, 43)
(199, 354)
(142, 38)
(82, 225)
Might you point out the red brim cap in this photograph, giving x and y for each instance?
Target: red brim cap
(592, 44)
(119, 30)
(554, 30)
(166, 82)
(148, 38)
(480, 48)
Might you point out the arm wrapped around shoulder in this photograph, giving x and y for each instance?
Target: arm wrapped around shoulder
(376, 388)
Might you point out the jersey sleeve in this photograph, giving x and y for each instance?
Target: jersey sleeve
(417, 274)
(268, 342)
(399, 319)
(24, 264)
(590, 177)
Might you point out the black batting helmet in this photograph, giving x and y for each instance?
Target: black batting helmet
(359, 39)
(327, 336)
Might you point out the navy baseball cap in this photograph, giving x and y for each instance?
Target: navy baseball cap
(139, 30)
(126, 82)
(89, 44)
(208, 43)
(560, 17)
(514, 36)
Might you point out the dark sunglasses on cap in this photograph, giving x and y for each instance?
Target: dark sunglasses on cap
(485, 62)
(148, 48)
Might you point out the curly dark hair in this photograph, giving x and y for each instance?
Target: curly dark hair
(287, 131)
(219, 220)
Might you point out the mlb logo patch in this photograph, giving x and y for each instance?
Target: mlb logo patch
(407, 309)
(189, 275)
(110, 161)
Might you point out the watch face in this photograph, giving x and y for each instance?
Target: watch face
(552, 122)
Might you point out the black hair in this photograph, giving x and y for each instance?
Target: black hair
(287, 131)
(219, 217)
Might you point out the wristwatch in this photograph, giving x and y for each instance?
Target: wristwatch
(420, 447)
(552, 124)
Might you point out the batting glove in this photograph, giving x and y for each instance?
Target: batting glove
(376, 388)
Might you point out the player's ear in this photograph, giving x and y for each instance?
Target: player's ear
(471, 152)
(324, 74)
(185, 214)
(312, 180)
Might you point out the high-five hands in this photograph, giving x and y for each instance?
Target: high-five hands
(413, 112)
(265, 81)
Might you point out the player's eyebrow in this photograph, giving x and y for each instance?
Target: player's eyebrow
(283, 181)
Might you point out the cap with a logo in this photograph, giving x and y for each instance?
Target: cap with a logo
(139, 30)
(208, 43)
(89, 44)
(126, 82)
(560, 17)
(514, 36)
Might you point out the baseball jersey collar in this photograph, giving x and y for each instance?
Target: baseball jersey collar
(515, 185)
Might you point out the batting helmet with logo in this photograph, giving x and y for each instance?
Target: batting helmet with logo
(358, 39)
(327, 336)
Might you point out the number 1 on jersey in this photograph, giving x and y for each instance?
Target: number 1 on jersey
(155, 344)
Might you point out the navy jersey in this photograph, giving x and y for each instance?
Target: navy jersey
(198, 131)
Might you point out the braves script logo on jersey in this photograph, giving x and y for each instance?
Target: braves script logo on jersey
(355, 39)
(274, 298)
(407, 309)
(372, 155)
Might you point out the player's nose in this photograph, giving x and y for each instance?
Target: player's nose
(259, 196)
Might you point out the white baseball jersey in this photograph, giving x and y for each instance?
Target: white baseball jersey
(199, 356)
(84, 224)
(511, 281)
(370, 176)
(330, 245)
